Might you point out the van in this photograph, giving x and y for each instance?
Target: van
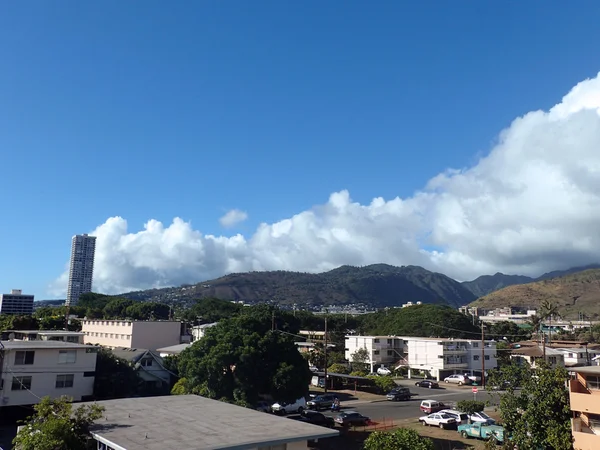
(287, 408)
(431, 406)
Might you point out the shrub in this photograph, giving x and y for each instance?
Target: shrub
(384, 384)
(338, 368)
(470, 406)
(401, 439)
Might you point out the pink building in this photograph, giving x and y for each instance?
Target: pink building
(148, 335)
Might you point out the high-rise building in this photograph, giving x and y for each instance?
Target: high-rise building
(16, 303)
(81, 269)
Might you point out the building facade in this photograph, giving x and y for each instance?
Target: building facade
(75, 337)
(584, 396)
(34, 369)
(81, 269)
(16, 303)
(198, 331)
(382, 350)
(131, 334)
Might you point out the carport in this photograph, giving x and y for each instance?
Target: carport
(363, 381)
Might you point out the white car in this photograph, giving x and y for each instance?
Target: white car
(482, 417)
(460, 417)
(384, 371)
(438, 420)
(287, 408)
(457, 379)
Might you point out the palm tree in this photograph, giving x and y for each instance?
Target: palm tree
(535, 321)
(548, 311)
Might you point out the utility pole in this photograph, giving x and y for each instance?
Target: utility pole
(543, 340)
(482, 355)
(325, 353)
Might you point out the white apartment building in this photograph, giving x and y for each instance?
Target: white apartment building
(75, 337)
(16, 303)
(382, 350)
(81, 269)
(443, 357)
(199, 330)
(31, 370)
(439, 357)
(578, 356)
(149, 335)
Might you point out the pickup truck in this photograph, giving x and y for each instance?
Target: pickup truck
(482, 431)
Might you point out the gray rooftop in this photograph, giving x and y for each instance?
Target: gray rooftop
(132, 354)
(173, 348)
(56, 332)
(589, 370)
(9, 345)
(177, 422)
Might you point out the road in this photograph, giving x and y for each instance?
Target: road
(380, 409)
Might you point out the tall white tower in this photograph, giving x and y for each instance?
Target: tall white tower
(81, 270)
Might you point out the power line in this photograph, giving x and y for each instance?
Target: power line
(477, 333)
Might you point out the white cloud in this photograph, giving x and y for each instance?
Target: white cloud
(531, 205)
(233, 217)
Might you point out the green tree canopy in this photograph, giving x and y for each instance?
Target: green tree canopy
(115, 377)
(56, 425)
(241, 358)
(420, 320)
(208, 310)
(401, 439)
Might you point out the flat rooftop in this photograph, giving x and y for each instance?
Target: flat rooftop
(175, 422)
(589, 370)
(173, 348)
(49, 332)
(10, 345)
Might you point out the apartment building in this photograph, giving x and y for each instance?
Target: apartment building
(16, 303)
(75, 337)
(443, 357)
(199, 330)
(578, 356)
(382, 350)
(31, 370)
(81, 268)
(131, 333)
(584, 394)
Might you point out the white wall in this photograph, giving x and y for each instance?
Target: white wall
(130, 334)
(43, 371)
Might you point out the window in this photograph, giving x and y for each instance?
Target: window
(73, 339)
(21, 383)
(487, 357)
(64, 381)
(390, 352)
(475, 344)
(593, 382)
(24, 357)
(376, 341)
(147, 362)
(475, 357)
(389, 341)
(376, 352)
(67, 356)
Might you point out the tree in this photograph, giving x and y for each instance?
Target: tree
(242, 358)
(508, 331)
(56, 425)
(338, 368)
(115, 377)
(549, 310)
(385, 384)
(360, 359)
(470, 406)
(401, 439)
(208, 310)
(537, 415)
(116, 308)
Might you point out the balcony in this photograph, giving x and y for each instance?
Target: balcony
(583, 399)
(585, 437)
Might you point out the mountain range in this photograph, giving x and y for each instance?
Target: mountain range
(377, 285)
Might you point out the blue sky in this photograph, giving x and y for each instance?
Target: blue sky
(148, 110)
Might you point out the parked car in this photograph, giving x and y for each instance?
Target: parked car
(460, 417)
(482, 431)
(353, 418)
(287, 408)
(427, 384)
(431, 406)
(315, 418)
(263, 407)
(482, 417)
(384, 371)
(399, 393)
(438, 420)
(321, 402)
(457, 379)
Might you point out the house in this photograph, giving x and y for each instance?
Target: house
(149, 366)
(34, 369)
(533, 354)
(150, 334)
(199, 330)
(172, 350)
(441, 357)
(44, 335)
(584, 398)
(177, 422)
(381, 350)
(578, 356)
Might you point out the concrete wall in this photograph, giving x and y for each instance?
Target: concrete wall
(131, 334)
(43, 374)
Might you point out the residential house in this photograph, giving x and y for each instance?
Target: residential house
(199, 331)
(34, 369)
(150, 334)
(44, 335)
(149, 367)
(172, 350)
(533, 354)
(584, 396)
(441, 357)
(578, 356)
(177, 422)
